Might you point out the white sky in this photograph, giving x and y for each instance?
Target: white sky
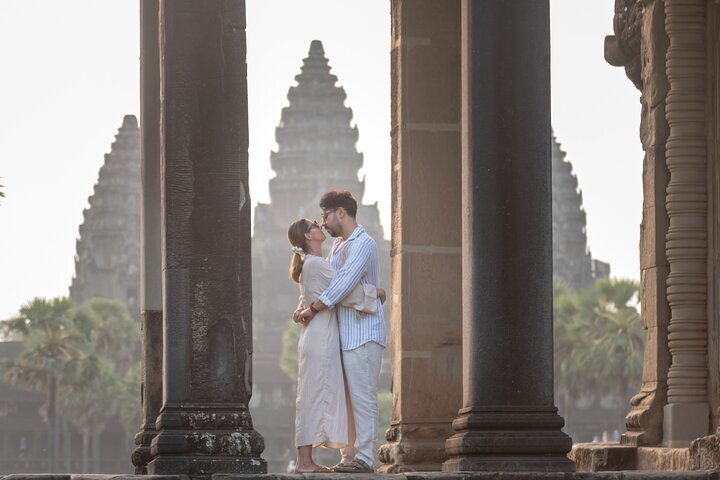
(70, 73)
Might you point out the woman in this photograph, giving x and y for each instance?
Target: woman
(321, 418)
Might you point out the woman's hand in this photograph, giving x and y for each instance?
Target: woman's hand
(306, 315)
(381, 295)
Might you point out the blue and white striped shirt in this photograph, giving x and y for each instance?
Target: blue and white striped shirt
(356, 261)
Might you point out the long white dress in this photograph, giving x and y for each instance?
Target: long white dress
(321, 417)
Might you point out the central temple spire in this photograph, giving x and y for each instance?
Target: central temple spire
(316, 152)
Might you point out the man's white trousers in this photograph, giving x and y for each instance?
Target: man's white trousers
(362, 371)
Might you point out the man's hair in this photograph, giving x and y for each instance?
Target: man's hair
(339, 198)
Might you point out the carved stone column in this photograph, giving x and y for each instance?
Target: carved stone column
(150, 251)
(686, 416)
(205, 426)
(508, 421)
(640, 45)
(425, 325)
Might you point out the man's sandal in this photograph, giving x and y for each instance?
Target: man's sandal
(356, 466)
(339, 464)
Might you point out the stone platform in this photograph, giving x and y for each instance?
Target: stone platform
(624, 475)
(600, 457)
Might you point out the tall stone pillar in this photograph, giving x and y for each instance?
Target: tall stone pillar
(204, 425)
(687, 415)
(425, 323)
(639, 44)
(508, 421)
(150, 251)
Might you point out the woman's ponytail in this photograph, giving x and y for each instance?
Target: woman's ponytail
(296, 236)
(296, 264)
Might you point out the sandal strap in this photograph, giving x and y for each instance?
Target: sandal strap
(356, 466)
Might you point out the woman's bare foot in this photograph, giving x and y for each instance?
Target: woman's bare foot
(312, 468)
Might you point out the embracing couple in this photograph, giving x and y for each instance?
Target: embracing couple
(342, 340)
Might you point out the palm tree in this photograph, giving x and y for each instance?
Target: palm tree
(111, 331)
(618, 336)
(599, 341)
(49, 342)
(96, 393)
(97, 382)
(574, 378)
(82, 356)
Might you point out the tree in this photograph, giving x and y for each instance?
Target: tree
(96, 390)
(599, 341)
(85, 358)
(618, 336)
(573, 377)
(288, 357)
(99, 380)
(130, 413)
(49, 342)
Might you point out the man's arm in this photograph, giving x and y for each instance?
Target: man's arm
(347, 278)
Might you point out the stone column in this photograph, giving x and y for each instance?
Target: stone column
(687, 415)
(150, 251)
(508, 421)
(204, 426)
(713, 16)
(640, 45)
(425, 323)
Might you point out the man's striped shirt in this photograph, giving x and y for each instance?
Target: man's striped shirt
(356, 261)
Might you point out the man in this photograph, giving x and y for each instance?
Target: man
(362, 335)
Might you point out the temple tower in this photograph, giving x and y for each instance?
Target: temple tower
(316, 152)
(107, 262)
(572, 263)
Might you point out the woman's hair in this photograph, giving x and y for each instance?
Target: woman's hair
(296, 235)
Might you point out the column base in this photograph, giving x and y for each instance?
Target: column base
(201, 440)
(418, 447)
(645, 419)
(142, 455)
(205, 466)
(684, 422)
(513, 463)
(513, 439)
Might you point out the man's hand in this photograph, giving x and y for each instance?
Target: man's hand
(381, 295)
(306, 315)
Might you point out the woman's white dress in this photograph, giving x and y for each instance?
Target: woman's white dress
(320, 409)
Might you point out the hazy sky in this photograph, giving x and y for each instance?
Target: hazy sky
(70, 73)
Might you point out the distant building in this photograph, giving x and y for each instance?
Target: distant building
(316, 152)
(107, 263)
(572, 261)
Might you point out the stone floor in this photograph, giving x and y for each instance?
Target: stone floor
(626, 475)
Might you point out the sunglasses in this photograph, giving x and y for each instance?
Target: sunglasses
(313, 224)
(326, 213)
